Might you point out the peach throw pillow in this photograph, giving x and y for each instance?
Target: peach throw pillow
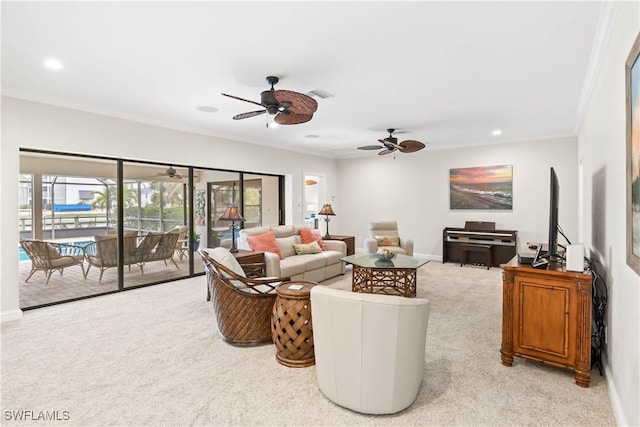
(310, 236)
(265, 242)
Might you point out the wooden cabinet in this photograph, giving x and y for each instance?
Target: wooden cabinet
(349, 240)
(546, 316)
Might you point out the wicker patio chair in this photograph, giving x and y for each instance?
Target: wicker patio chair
(242, 305)
(182, 245)
(103, 252)
(163, 250)
(48, 257)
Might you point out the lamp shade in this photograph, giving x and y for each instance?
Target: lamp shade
(232, 213)
(326, 210)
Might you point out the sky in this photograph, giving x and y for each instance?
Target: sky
(481, 175)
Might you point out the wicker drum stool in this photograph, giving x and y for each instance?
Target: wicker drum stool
(291, 327)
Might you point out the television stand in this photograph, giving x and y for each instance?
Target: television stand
(546, 317)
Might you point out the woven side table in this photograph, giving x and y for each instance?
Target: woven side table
(291, 325)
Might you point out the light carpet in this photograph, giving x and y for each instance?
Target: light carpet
(153, 357)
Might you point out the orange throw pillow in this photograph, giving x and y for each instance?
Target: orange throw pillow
(310, 236)
(265, 242)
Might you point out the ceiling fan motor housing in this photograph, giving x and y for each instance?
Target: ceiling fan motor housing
(268, 100)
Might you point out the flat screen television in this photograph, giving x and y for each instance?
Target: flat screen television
(554, 194)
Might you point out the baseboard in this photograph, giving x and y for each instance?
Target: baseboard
(614, 396)
(8, 316)
(436, 258)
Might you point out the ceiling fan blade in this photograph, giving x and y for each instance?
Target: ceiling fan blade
(299, 102)
(289, 118)
(242, 99)
(389, 142)
(410, 146)
(369, 147)
(387, 151)
(249, 114)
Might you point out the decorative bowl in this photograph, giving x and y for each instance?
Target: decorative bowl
(385, 257)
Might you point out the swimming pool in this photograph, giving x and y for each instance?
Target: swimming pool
(22, 256)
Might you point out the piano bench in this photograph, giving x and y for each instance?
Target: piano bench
(486, 249)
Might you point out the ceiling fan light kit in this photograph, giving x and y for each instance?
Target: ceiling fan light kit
(289, 107)
(390, 145)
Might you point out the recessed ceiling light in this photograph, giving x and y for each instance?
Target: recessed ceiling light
(53, 64)
(496, 132)
(312, 136)
(206, 108)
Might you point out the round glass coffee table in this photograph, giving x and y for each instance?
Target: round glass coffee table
(376, 276)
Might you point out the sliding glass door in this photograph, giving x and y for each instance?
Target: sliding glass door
(256, 196)
(90, 225)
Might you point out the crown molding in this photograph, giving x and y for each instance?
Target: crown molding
(608, 12)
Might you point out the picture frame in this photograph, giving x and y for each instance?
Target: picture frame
(200, 205)
(632, 98)
(481, 188)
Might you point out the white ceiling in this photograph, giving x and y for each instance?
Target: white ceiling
(447, 72)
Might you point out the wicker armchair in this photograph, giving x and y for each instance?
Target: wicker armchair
(163, 251)
(103, 252)
(182, 245)
(242, 305)
(48, 257)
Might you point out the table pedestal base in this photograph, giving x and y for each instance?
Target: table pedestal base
(397, 281)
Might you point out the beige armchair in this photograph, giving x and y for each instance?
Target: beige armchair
(384, 235)
(369, 349)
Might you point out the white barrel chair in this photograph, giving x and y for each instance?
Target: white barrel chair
(369, 349)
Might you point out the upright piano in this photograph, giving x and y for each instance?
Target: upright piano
(503, 243)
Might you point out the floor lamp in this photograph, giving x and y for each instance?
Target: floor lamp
(232, 214)
(326, 211)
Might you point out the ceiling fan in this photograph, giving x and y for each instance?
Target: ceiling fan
(390, 145)
(289, 108)
(170, 172)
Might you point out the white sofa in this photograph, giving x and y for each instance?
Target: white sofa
(310, 267)
(369, 349)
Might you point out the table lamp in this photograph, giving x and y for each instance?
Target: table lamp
(232, 214)
(326, 211)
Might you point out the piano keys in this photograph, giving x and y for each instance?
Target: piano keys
(503, 244)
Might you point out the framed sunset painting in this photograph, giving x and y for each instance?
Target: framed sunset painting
(484, 187)
(632, 77)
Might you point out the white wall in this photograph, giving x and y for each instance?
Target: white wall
(414, 190)
(34, 125)
(602, 152)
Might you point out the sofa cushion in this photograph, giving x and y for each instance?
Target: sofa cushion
(286, 245)
(283, 230)
(254, 231)
(226, 258)
(265, 242)
(307, 248)
(293, 266)
(313, 261)
(307, 235)
(332, 257)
